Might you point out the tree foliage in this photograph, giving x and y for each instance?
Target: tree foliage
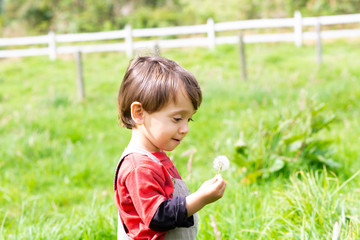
(40, 16)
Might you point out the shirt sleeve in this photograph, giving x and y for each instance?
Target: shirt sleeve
(147, 190)
(170, 214)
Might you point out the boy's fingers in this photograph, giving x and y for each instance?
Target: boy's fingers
(218, 177)
(214, 179)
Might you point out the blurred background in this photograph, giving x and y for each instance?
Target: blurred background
(34, 17)
(286, 113)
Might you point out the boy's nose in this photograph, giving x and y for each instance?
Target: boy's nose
(184, 129)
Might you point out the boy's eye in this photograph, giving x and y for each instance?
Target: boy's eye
(178, 119)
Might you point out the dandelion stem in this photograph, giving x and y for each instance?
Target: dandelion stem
(215, 228)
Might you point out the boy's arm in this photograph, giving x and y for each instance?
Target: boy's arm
(171, 213)
(209, 192)
(178, 211)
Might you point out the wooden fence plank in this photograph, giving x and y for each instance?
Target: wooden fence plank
(80, 76)
(318, 43)
(242, 56)
(128, 41)
(52, 46)
(168, 31)
(211, 33)
(84, 37)
(18, 41)
(298, 29)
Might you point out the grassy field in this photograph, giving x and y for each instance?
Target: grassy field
(58, 155)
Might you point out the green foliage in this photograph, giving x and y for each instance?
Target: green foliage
(147, 17)
(38, 17)
(306, 207)
(312, 205)
(288, 145)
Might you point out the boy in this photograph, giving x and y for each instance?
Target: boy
(157, 100)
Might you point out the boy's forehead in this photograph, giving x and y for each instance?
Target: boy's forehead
(181, 103)
(180, 110)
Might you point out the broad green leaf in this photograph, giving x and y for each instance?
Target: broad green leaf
(293, 138)
(240, 146)
(277, 165)
(317, 109)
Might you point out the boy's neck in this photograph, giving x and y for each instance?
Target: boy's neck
(138, 140)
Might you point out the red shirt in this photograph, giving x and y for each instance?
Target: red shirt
(142, 185)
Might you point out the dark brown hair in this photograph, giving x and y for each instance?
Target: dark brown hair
(153, 81)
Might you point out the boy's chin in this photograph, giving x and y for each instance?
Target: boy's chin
(169, 149)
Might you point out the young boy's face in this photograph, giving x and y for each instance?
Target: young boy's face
(164, 129)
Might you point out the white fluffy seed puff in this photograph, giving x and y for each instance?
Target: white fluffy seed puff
(221, 163)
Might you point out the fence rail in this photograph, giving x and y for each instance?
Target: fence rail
(56, 43)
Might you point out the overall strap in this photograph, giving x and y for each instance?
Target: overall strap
(132, 149)
(127, 151)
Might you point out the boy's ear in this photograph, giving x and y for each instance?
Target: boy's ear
(137, 113)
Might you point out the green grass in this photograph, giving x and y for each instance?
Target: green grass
(58, 154)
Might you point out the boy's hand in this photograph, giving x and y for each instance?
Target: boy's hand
(210, 191)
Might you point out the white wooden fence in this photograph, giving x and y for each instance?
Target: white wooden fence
(57, 43)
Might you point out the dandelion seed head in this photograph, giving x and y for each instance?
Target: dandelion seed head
(221, 163)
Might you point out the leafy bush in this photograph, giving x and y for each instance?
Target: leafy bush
(38, 17)
(288, 145)
(146, 17)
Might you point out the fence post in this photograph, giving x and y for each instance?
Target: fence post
(211, 33)
(242, 55)
(318, 42)
(80, 77)
(128, 41)
(52, 45)
(157, 49)
(298, 28)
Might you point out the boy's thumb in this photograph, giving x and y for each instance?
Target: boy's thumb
(218, 177)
